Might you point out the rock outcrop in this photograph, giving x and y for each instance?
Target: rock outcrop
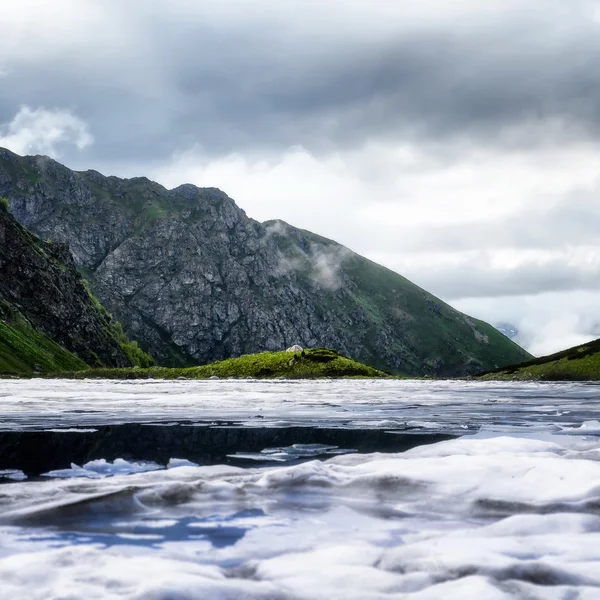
(195, 280)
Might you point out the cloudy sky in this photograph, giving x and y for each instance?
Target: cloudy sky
(457, 143)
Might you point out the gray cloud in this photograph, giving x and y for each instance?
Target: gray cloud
(481, 280)
(572, 219)
(250, 82)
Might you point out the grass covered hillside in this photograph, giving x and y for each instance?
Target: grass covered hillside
(313, 363)
(48, 319)
(581, 363)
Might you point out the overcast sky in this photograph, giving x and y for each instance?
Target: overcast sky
(457, 143)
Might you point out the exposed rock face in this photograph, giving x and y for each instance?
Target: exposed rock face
(193, 279)
(40, 282)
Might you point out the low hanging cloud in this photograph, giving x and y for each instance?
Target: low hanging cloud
(327, 267)
(43, 131)
(322, 264)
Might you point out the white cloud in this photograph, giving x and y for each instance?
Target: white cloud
(327, 266)
(547, 322)
(42, 131)
(298, 187)
(321, 263)
(384, 189)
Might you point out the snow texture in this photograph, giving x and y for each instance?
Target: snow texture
(508, 511)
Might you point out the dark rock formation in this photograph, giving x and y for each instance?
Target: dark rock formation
(194, 280)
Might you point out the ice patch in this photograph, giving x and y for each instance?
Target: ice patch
(180, 462)
(447, 406)
(292, 453)
(586, 428)
(72, 430)
(423, 425)
(102, 468)
(12, 474)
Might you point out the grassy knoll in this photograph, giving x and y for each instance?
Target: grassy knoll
(580, 363)
(316, 362)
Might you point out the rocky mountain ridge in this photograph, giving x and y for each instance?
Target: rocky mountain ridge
(194, 280)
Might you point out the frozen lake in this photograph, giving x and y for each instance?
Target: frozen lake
(299, 490)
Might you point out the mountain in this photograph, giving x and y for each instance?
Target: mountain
(580, 363)
(48, 319)
(509, 330)
(195, 280)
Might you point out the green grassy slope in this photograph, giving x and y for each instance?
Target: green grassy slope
(580, 363)
(316, 362)
(24, 351)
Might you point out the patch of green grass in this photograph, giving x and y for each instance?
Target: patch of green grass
(136, 355)
(32, 177)
(17, 167)
(316, 363)
(95, 300)
(24, 351)
(580, 363)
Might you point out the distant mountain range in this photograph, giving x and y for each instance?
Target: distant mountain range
(194, 280)
(509, 330)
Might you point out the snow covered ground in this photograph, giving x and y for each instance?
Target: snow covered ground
(510, 510)
(448, 406)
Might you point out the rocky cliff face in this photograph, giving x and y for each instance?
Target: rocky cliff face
(45, 307)
(193, 279)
